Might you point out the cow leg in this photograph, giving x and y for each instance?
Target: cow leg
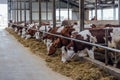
(64, 54)
(48, 43)
(23, 33)
(16, 29)
(82, 53)
(90, 53)
(37, 35)
(28, 36)
(116, 60)
(70, 53)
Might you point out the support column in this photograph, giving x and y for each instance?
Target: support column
(59, 10)
(96, 9)
(54, 13)
(25, 11)
(20, 10)
(9, 9)
(40, 13)
(114, 13)
(119, 11)
(101, 13)
(30, 10)
(17, 12)
(68, 1)
(47, 10)
(81, 12)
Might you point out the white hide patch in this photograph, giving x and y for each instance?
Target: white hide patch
(23, 33)
(37, 35)
(77, 28)
(44, 28)
(91, 53)
(64, 55)
(85, 33)
(115, 36)
(112, 44)
(60, 29)
(87, 25)
(48, 44)
(16, 29)
(82, 53)
(27, 36)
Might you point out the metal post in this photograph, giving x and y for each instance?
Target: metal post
(119, 11)
(20, 10)
(30, 10)
(114, 13)
(25, 11)
(47, 10)
(68, 9)
(59, 10)
(9, 9)
(14, 14)
(17, 12)
(101, 13)
(40, 13)
(81, 12)
(106, 43)
(91, 13)
(96, 9)
(54, 13)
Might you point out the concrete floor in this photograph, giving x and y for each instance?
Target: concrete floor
(18, 63)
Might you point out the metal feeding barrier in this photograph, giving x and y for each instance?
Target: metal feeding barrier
(93, 44)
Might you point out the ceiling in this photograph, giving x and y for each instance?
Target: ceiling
(90, 4)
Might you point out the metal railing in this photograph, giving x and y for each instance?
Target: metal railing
(93, 44)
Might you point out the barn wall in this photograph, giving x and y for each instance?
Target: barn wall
(35, 10)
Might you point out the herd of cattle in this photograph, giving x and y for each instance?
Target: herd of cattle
(70, 48)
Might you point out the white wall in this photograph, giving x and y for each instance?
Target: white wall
(3, 13)
(35, 10)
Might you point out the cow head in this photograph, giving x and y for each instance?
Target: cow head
(115, 38)
(53, 47)
(67, 30)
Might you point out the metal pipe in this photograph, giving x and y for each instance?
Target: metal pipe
(114, 13)
(9, 9)
(92, 44)
(59, 10)
(25, 11)
(17, 12)
(47, 10)
(20, 11)
(30, 9)
(95, 9)
(101, 13)
(119, 12)
(81, 12)
(68, 1)
(106, 43)
(40, 13)
(54, 13)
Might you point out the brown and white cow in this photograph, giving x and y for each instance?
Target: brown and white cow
(93, 36)
(61, 42)
(49, 38)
